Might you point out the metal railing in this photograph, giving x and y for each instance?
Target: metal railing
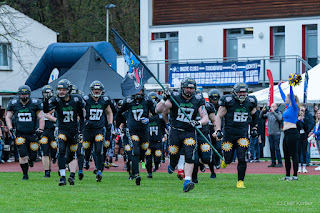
(280, 66)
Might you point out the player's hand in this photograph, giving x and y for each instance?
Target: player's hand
(219, 134)
(39, 133)
(13, 133)
(144, 120)
(254, 133)
(166, 94)
(194, 123)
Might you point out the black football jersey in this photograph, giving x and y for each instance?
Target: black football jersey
(25, 116)
(156, 127)
(48, 124)
(190, 107)
(136, 111)
(238, 115)
(205, 128)
(67, 111)
(96, 111)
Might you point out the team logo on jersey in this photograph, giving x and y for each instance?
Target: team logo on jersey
(158, 153)
(148, 152)
(226, 146)
(145, 146)
(74, 147)
(243, 142)
(53, 144)
(34, 146)
(189, 141)
(205, 147)
(173, 149)
(20, 140)
(62, 137)
(135, 138)
(98, 138)
(127, 148)
(106, 144)
(44, 140)
(86, 144)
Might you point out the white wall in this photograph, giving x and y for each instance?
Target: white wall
(37, 35)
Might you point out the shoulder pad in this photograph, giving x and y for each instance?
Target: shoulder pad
(13, 101)
(34, 101)
(85, 97)
(198, 96)
(252, 99)
(228, 98)
(129, 99)
(106, 98)
(175, 93)
(76, 99)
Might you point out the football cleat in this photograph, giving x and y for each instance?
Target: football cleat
(285, 178)
(25, 177)
(180, 174)
(138, 180)
(170, 169)
(87, 165)
(304, 170)
(47, 174)
(224, 165)
(213, 175)
(240, 184)
(80, 174)
(149, 175)
(99, 176)
(71, 180)
(95, 171)
(62, 181)
(188, 185)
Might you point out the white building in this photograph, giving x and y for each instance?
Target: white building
(283, 36)
(24, 42)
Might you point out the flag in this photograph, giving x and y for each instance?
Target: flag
(138, 73)
(305, 88)
(270, 96)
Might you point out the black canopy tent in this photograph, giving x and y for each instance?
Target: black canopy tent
(91, 66)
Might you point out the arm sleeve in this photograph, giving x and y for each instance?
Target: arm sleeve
(293, 101)
(254, 121)
(278, 115)
(283, 96)
(151, 108)
(81, 116)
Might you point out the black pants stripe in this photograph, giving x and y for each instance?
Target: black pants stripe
(290, 150)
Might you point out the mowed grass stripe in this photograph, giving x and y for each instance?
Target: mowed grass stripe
(163, 193)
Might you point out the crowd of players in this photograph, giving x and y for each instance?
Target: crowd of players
(71, 128)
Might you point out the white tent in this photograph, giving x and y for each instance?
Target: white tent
(313, 89)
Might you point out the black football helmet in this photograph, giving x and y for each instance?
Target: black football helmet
(96, 85)
(47, 91)
(63, 84)
(74, 89)
(24, 90)
(240, 87)
(214, 95)
(153, 96)
(188, 82)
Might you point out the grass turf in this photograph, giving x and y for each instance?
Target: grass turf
(163, 193)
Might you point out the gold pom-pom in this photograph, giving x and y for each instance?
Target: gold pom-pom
(294, 79)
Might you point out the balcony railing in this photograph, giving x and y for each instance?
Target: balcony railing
(280, 66)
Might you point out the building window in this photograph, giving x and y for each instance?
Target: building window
(279, 41)
(5, 56)
(165, 36)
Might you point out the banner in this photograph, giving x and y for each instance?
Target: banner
(270, 96)
(216, 74)
(305, 89)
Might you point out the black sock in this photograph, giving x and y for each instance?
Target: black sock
(24, 168)
(72, 174)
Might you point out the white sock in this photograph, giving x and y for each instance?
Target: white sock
(181, 163)
(187, 178)
(62, 172)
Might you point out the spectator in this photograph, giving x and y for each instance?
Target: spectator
(274, 130)
(254, 146)
(302, 126)
(316, 133)
(261, 134)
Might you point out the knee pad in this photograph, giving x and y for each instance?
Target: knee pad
(173, 150)
(34, 146)
(148, 152)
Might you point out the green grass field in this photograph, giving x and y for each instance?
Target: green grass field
(163, 193)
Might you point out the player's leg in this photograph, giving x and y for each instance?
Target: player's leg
(206, 155)
(98, 145)
(80, 159)
(62, 146)
(72, 147)
(157, 155)
(22, 146)
(241, 147)
(45, 150)
(173, 149)
(135, 156)
(189, 146)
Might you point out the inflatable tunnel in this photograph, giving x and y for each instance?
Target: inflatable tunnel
(63, 56)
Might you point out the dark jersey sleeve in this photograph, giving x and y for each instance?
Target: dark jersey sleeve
(222, 101)
(11, 105)
(210, 108)
(151, 107)
(49, 104)
(80, 107)
(122, 109)
(253, 101)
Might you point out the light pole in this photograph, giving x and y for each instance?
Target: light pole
(108, 6)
